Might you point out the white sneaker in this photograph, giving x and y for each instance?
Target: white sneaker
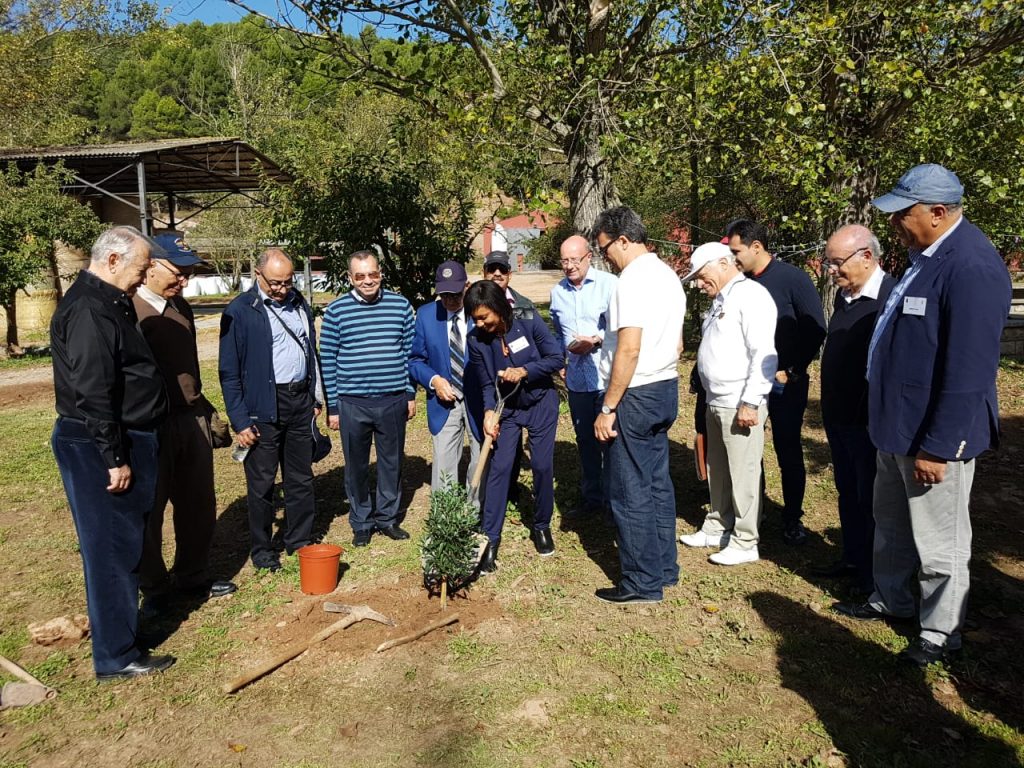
(700, 539)
(734, 556)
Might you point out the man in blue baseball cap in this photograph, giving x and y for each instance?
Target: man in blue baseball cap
(932, 408)
(186, 444)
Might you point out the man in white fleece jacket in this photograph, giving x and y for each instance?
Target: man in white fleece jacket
(736, 363)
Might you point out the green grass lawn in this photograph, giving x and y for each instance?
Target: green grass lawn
(736, 667)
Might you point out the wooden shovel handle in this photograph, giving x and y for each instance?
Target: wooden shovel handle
(481, 463)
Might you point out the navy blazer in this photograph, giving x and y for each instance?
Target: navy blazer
(932, 383)
(430, 357)
(246, 363)
(541, 357)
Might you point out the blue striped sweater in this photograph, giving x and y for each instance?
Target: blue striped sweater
(364, 348)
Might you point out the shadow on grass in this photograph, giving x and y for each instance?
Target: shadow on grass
(876, 711)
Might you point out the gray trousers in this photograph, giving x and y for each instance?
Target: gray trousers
(734, 476)
(924, 531)
(448, 451)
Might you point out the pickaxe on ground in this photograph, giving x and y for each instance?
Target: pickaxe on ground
(354, 613)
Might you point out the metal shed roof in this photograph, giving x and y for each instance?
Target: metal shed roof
(172, 166)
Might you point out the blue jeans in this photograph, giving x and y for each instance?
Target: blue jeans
(584, 407)
(640, 490)
(786, 412)
(853, 465)
(110, 528)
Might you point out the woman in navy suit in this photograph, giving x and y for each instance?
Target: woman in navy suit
(505, 351)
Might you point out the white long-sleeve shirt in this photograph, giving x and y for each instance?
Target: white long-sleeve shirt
(737, 360)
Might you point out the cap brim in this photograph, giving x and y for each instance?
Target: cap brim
(692, 274)
(890, 203)
(449, 286)
(182, 259)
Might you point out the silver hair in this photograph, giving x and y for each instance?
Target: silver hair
(875, 246)
(123, 240)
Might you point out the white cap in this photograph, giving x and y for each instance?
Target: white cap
(706, 254)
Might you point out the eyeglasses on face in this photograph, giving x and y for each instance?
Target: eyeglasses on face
(492, 268)
(359, 277)
(604, 248)
(834, 265)
(277, 283)
(181, 276)
(449, 296)
(574, 262)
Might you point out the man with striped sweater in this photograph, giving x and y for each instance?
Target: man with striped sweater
(365, 342)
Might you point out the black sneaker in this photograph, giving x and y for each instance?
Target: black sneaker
(267, 562)
(794, 534)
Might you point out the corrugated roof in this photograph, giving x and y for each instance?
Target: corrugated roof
(212, 164)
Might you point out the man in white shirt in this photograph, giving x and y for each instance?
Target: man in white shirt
(640, 364)
(736, 363)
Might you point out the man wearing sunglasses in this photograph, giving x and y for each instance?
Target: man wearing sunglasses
(932, 408)
(186, 443)
(498, 269)
(270, 376)
(851, 258)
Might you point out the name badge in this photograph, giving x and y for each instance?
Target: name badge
(914, 305)
(518, 345)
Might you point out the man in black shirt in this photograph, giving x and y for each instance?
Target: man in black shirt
(852, 255)
(798, 335)
(110, 401)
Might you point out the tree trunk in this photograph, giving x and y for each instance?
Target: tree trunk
(11, 311)
(591, 189)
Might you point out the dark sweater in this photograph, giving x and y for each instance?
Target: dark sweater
(800, 328)
(844, 386)
(172, 337)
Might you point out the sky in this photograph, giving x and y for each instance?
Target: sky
(212, 11)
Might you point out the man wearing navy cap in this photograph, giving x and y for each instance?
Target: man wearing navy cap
(932, 408)
(186, 442)
(498, 269)
(438, 364)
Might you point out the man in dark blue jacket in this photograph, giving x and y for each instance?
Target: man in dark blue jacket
(932, 407)
(269, 374)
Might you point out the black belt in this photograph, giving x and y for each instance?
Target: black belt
(294, 387)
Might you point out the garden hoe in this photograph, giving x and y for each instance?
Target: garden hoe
(354, 613)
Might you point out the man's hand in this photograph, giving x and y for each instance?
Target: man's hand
(412, 411)
(561, 373)
(317, 410)
(512, 375)
(604, 427)
(334, 422)
(583, 345)
(247, 438)
(120, 479)
(928, 469)
(491, 424)
(746, 416)
(443, 389)
(782, 377)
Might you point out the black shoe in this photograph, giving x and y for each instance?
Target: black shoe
(541, 538)
(210, 589)
(489, 561)
(794, 534)
(864, 612)
(393, 532)
(923, 652)
(267, 562)
(144, 665)
(837, 570)
(620, 597)
(362, 538)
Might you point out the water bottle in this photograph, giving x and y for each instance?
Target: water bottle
(239, 452)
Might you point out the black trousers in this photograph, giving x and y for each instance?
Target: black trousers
(286, 443)
(786, 413)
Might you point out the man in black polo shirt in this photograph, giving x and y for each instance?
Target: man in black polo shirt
(110, 401)
(798, 335)
(851, 256)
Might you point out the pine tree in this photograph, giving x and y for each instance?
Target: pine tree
(449, 547)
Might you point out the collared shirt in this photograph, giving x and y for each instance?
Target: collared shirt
(737, 359)
(869, 290)
(155, 300)
(104, 373)
(582, 311)
(900, 289)
(289, 358)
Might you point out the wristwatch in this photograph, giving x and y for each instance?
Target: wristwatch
(607, 411)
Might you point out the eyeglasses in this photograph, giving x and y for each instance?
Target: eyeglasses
(358, 277)
(449, 296)
(835, 266)
(277, 283)
(181, 276)
(574, 262)
(604, 248)
(491, 268)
